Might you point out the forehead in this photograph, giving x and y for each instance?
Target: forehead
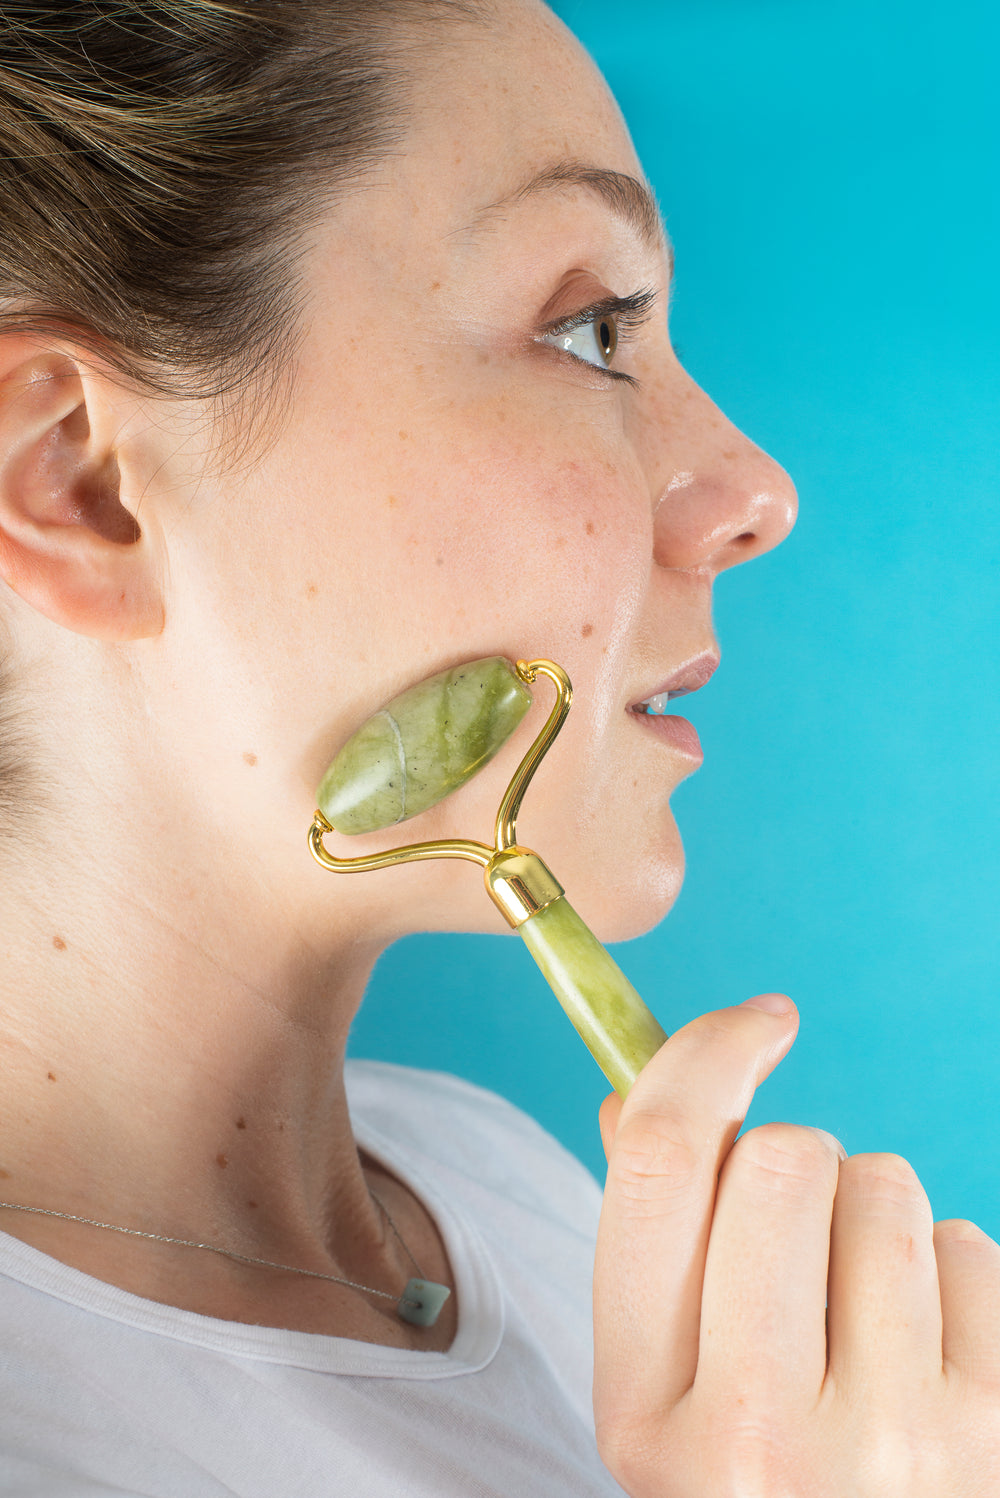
(501, 104)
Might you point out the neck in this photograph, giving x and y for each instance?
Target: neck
(168, 1063)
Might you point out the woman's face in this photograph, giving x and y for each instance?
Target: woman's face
(466, 469)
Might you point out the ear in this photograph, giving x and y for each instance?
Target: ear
(70, 544)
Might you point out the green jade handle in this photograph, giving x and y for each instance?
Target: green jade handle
(609, 1016)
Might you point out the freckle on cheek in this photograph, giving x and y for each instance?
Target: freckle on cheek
(52, 1076)
(248, 758)
(59, 944)
(589, 527)
(221, 1161)
(4, 1174)
(587, 631)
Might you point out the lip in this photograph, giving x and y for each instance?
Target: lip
(676, 732)
(689, 677)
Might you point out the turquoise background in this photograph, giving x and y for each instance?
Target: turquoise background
(829, 176)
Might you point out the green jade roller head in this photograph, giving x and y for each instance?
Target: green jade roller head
(428, 742)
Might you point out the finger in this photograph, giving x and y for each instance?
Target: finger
(884, 1314)
(763, 1314)
(969, 1276)
(607, 1117)
(675, 1127)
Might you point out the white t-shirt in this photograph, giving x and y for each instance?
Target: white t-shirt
(102, 1392)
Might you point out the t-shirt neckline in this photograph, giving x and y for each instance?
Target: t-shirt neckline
(480, 1303)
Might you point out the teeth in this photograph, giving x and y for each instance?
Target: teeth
(656, 706)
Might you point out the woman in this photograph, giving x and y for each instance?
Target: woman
(334, 353)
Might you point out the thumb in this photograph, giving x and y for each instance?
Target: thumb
(607, 1117)
(670, 1138)
(611, 1108)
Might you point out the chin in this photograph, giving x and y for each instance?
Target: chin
(622, 884)
(618, 900)
(621, 897)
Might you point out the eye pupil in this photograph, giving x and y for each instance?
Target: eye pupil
(607, 336)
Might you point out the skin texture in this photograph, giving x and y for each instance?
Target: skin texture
(196, 638)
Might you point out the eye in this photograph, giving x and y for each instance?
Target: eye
(593, 341)
(594, 334)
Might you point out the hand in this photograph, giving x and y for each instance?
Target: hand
(719, 1372)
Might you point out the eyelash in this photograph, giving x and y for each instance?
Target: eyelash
(630, 313)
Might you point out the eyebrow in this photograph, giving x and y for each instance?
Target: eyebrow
(627, 197)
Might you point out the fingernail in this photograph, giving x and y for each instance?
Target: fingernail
(770, 1003)
(830, 1139)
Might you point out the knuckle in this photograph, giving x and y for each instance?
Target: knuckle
(885, 1178)
(958, 1232)
(751, 1458)
(723, 1026)
(987, 1422)
(787, 1157)
(975, 1380)
(653, 1160)
(899, 1457)
(723, 1035)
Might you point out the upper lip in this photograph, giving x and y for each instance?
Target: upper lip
(687, 678)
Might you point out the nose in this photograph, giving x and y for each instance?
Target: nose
(720, 500)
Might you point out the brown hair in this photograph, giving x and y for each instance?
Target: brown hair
(159, 162)
(160, 158)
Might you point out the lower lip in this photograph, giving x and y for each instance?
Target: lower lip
(677, 732)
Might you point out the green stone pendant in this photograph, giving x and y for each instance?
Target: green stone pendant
(423, 745)
(420, 1303)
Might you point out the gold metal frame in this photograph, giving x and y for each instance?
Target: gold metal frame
(520, 885)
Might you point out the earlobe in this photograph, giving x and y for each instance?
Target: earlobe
(69, 546)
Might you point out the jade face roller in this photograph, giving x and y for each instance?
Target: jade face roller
(425, 744)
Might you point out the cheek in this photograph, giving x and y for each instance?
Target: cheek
(544, 549)
(406, 534)
(483, 504)
(487, 528)
(472, 523)
(487, 533)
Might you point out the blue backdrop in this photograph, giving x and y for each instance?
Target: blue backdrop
(829, 176)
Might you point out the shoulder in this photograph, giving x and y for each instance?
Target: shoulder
(468, 1129)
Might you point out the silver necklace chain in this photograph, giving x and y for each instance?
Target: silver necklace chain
(231, 1253)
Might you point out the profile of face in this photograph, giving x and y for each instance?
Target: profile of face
(489, 448)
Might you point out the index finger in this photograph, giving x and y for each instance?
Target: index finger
(674, 1130)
